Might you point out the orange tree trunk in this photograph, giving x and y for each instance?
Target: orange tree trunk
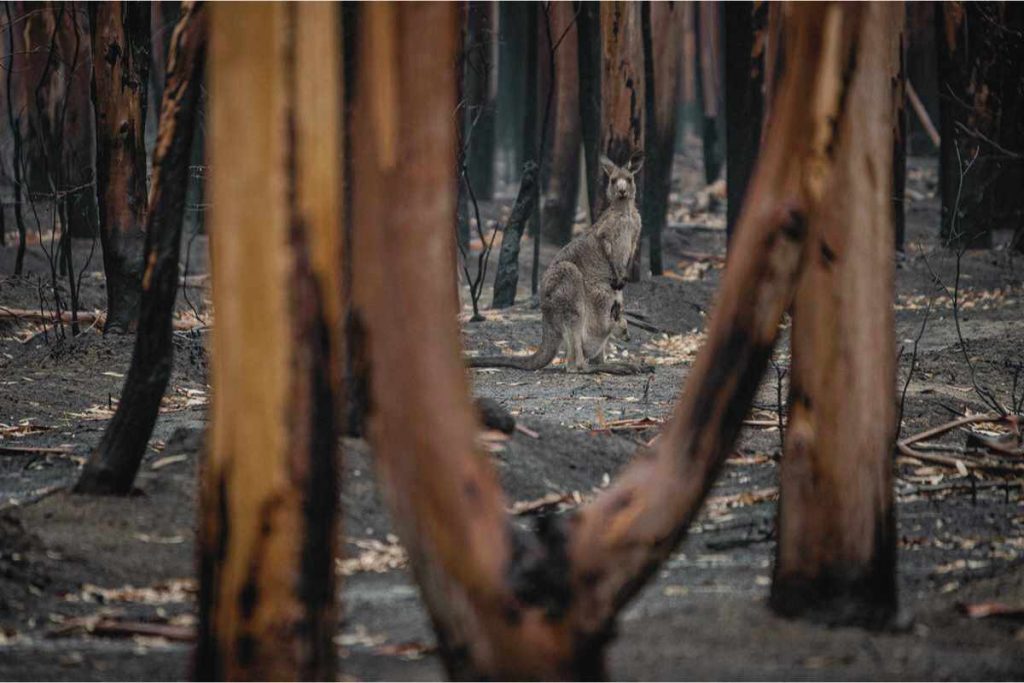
(622, 95)
(269, 484)
(837, 546)
(120, 78)
(662, 26)
(509, 604)
(112, 467)
(563, 174)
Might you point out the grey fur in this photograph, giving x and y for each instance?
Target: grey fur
(581, 291)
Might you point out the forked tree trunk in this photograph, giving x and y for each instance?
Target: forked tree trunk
(508, 604)
(709, 87)
(268, 523)
(563, 178)
(970, 46)
(662, 25)
(622, 96)
(588, 33)
(836, 554)
(746, 24)
(112, 467)
(121, 36)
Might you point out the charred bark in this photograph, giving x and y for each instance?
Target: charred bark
(588, 32)
(745, 25)
(562, 185)
(662, 24)
(480, 93)
(972, 56)
(121, 38)
(709, 88)
(506, 276)
(269, 488)
(112, 467)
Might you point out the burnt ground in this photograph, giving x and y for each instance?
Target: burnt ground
(71, 567)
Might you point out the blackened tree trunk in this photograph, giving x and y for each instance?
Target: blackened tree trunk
(511, 84)
(480, 54)
(662, 26)
(622, 96)
(121, 36)
(836, 556)
(14, 120)
(506, 275)
(268, 498)
(1011, 130)
(746, 23)
(922, 72)
(563, 177)
(112, 467)
(588, 32)
(709, 87)
(898, 81)
(971, 61)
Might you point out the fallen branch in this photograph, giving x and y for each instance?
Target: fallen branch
(950, 461)
(948, 427)
(35, 450)
(991, 609)
(94, 317)
(922, 115)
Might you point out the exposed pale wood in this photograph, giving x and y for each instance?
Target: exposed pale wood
(267, 522)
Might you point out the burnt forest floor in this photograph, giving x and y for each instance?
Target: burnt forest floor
(79, 575)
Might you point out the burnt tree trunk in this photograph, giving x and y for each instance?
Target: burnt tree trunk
(268, 498)
(480, 94)
(562, 185)
(15, 121)
(971, 59)
(898, 81)
(58, 130)
(112, 467)
(662, 26)
(508, 603)
(1011, 130)
(588, 33)
(922, 72)
(709, 88)
(121, 37)
(746, 24)
(622, 97)
(836, 555)
(511, 82)
(506, 275)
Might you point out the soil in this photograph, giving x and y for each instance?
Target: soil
(69, 564)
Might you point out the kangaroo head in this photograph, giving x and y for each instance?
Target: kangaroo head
(622, 180)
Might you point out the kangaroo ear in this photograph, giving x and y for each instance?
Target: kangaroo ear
(607, 165)
(636, 162)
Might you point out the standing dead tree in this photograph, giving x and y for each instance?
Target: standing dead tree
(508, 604)
(268, 498)
(120, 80)
(746, 24)
(709, 87)
(836, 555)
(622, 97)
(588, 35)
(561, 188)
(662, 27)
(112, 467)
(979, 75)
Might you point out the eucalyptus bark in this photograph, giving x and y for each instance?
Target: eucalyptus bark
(112, 466)
(622, 97)
(121, 36)
(836, 555)
(268, 523)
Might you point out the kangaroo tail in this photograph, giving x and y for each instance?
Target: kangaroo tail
(540, 359)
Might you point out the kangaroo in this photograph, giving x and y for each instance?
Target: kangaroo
(581, 291)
